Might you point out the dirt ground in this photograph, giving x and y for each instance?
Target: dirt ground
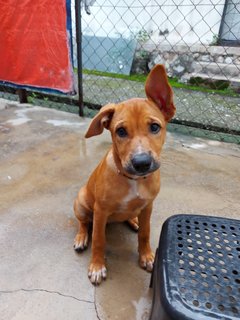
(44, 160)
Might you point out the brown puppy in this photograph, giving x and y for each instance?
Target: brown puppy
(125, 183)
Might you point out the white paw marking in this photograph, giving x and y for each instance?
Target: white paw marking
(82, 244)
(149, 266)
(96, 276)
(147, 263)
(135, 226)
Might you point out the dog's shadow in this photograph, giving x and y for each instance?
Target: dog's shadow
(121, 244)
(121, 241)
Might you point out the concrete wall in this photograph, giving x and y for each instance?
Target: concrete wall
(175, 22)
(180, 34)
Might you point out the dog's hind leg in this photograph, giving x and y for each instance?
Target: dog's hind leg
(133, 224)
(83, 214)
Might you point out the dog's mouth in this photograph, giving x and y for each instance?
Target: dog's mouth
(142, 164)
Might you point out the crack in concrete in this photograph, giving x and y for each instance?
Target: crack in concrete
(48, 291)
(55, 292)
(95, 303)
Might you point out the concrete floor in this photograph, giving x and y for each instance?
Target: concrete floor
(44, 161)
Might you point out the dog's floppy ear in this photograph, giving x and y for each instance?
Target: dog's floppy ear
(100, 121)
(159, 90)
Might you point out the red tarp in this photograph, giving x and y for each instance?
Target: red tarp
(34, 44)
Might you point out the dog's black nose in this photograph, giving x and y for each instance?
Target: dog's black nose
(142, 162)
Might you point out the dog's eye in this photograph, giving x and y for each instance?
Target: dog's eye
(121, 132)
(155, 127)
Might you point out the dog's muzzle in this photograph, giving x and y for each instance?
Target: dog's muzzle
(142, 164)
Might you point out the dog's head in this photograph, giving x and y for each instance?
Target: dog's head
(138, 126)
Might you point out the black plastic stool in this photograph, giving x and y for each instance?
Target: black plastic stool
(197, 269)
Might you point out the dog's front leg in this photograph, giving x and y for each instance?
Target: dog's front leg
(146, 256)
(97, 270)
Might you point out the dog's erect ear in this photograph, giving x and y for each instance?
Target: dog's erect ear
(100, 121)
(159, 90)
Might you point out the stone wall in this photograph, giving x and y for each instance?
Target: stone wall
(184, 62)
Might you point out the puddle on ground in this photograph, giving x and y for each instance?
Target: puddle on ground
(60, 123)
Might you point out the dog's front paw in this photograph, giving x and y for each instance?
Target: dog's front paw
(146, 261)
(80, 242)
(97, 272)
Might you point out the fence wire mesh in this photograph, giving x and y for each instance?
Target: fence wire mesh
(60, 102)
(120, 41)
(197, 41)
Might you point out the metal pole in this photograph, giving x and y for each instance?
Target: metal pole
(79, 54)
(220, 33)
(22, 94)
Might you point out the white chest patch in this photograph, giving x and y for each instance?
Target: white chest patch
(132, 192)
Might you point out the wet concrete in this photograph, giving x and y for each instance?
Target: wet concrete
(44, 160)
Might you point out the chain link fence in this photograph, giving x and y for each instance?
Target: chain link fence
(197, 41)
(40, 98)
(118, 41)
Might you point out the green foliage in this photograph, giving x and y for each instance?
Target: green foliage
(32, 98)
(215, 40)
(209, 83)
(142, 36)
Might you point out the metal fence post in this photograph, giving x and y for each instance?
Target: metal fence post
(22, 94)
(220, 33)
(79, 54)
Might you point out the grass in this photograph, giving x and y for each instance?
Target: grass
(134, 77)
(173, 81)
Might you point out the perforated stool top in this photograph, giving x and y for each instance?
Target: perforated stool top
(197, 269)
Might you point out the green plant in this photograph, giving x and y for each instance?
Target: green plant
(32, 98)
(209, 83)
(143, 36)
(215, 40)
